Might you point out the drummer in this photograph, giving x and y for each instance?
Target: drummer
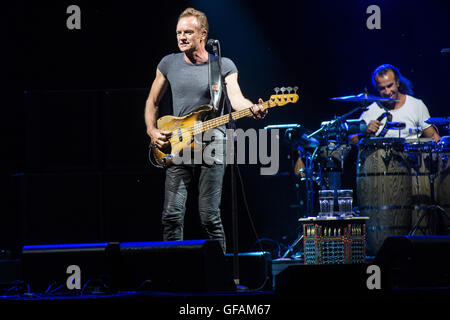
(409, 110)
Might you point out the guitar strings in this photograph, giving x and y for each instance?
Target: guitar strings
(207, 125)
(213, 123)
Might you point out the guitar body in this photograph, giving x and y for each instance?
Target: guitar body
(182, 137)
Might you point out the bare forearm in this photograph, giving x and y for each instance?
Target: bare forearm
(242, 103)
(239, 102)
(157, 90)
(151, 114)
(431, 132)
(237, 99)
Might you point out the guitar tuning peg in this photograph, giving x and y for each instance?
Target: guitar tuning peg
(283, 89)
(276, 89)
(289, 89)
(295, 89)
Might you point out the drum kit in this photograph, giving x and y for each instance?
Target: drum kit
(402, 185)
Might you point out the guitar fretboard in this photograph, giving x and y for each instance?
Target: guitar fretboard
(216, 122)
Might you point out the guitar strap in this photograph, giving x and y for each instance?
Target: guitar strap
(215, 81)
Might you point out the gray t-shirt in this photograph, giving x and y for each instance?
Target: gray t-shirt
(190, 90)
(189, 82)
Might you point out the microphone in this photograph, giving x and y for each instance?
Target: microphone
(383, 115)
(212, 42)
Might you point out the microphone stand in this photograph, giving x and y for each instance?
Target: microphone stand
(234, 209)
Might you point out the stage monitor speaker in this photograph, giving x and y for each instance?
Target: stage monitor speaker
(415, 261)
(197, 265)
(48, 267)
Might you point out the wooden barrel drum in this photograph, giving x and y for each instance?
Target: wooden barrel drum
(443, 182)
(383, 189)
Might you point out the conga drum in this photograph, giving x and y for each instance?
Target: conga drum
(422, 159)
(383, 185)
(443, 181)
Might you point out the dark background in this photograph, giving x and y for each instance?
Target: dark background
(74, 145)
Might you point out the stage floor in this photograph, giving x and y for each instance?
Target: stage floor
(292, 282)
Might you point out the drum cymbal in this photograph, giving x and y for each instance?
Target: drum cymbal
(363, 97)
(438, 121)
(303, 141)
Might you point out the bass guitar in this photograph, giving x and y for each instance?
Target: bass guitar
(184, 129)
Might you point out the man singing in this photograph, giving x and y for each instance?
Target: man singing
(187, 74)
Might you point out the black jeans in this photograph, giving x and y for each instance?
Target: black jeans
(178, 179)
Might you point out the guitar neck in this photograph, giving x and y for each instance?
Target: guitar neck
(216, 122)
(274, 101)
